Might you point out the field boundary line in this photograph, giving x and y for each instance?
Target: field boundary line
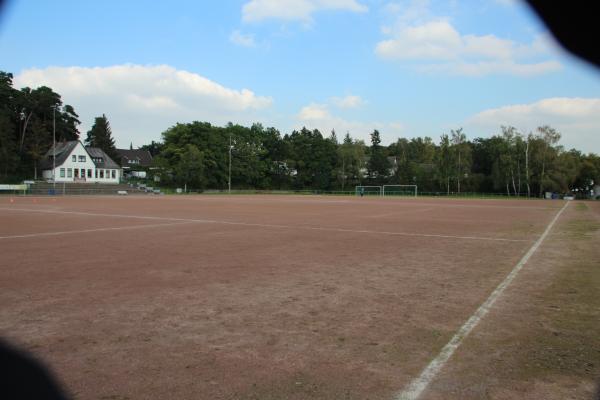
(414, 390)
(277, 226)
(118, 228)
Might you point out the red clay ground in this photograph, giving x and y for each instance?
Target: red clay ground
(251, 297)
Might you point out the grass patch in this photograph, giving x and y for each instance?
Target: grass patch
(582, 228)
(568, 342)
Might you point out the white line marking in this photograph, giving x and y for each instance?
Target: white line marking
(418, 385)
(28, 235)
(277, 226)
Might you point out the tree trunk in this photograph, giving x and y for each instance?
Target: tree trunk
(448, 185)
(507, 189)
(34, 170)
(543, 172)
(458, 173)
(343, 173)
(512, 175)
(519, 176)
(23, 133)
(527, 168)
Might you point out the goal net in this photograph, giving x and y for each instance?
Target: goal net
(400, 190)
(369, 190)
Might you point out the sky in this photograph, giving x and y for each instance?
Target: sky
(406, 68)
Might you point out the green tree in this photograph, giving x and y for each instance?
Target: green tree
(189, 169)
(350, 161)
(312, 157)
(41, 141)
(549, 137)
(101, 136)
(9, 158)
(154, 148)
(461, 152)
(378, 164)
(444, 162)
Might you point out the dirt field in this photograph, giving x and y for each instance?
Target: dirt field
(301, 297)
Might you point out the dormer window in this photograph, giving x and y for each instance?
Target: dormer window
(74, 158)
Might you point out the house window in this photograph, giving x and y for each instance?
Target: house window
(96, 173)
(62, 172)
(81, 158)
(101, 174)
(114, 174)
(74, 158)
(83, 172)
(107, 174)
(89, 173)
(69, 173)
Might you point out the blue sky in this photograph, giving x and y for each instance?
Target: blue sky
(406, 68)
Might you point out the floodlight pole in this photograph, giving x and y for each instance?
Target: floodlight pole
(229, 181)
(54, 150)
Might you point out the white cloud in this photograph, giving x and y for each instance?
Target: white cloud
(142, 101)
(295, 10)
(241, 39)
(318, 116)
(491, 67)
(437, 46)
(578, 120)
(350, 101)
(314, 112)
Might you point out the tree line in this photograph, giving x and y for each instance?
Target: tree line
(197, 154)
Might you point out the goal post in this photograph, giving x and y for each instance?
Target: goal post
(400, 190)
(368, 190)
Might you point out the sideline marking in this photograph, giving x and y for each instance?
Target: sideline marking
(277, 226)
(418, 385)
(28, 235)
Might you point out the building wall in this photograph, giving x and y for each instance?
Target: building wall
(71, 170)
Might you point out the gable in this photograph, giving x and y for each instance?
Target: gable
(64, 151)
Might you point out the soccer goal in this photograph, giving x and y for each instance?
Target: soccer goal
(369, 190)
(400, 190)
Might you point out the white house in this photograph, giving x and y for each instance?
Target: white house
(76, 163)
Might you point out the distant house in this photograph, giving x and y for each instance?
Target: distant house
(76, 163)
(135, 162)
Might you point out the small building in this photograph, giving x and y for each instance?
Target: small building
(135, 163)
(76, 163)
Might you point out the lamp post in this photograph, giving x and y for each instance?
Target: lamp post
(54, 150)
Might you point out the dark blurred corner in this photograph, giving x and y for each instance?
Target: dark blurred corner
(574, 24)
(24, 377)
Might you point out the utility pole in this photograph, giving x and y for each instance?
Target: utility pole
(54, 151)
(230, 147)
